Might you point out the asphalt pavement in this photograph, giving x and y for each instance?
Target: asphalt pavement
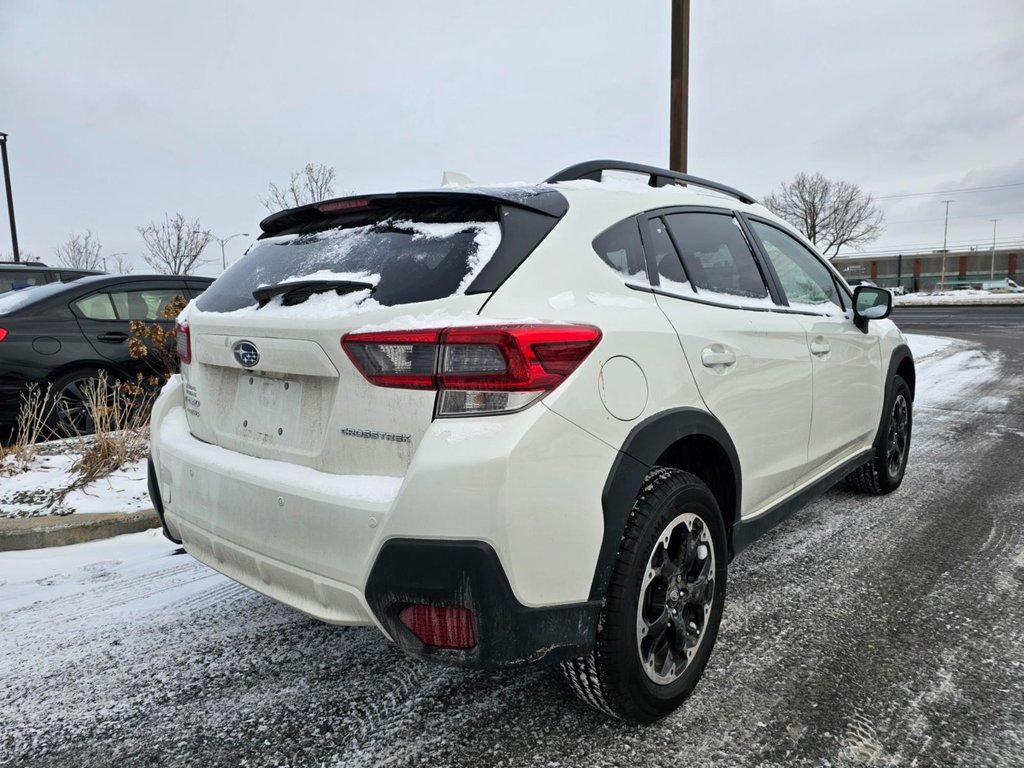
(863, 631)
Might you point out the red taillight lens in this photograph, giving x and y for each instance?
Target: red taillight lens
(440, 626)
(480, 369)
(183, 339)
(3, 334)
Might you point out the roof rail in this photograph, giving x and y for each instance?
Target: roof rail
(659, 177)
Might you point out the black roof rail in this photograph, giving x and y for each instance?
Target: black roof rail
(659, 177)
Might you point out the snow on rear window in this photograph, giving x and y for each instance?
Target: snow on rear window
(406, 262)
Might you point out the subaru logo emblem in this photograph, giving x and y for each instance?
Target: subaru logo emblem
(246, 353)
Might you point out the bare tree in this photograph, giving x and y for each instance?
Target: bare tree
(830, 213)
(118, 264)
(175, 245)
(81, 251)
(313, 183)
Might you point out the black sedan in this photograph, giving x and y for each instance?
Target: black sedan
(63, 334)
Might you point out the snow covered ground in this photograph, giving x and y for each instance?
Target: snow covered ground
(863, 631)
(28, 493)
(965, 297)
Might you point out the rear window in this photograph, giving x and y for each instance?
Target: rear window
(11, 280)
(11, 301)
(407, 261)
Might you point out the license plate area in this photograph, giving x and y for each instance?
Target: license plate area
(266, 409)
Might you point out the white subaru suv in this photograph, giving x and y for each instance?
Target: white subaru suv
(525, 424)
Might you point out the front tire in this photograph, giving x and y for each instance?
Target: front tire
(664, 603)
(883, 472)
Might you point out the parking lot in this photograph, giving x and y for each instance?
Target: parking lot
(863, 631)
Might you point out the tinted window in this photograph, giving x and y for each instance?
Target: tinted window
(671, 275)
(96, 307)
(407, 261)
(15, 281)
(805, 280)
(716, 255)
(621, 249)
(147, 304)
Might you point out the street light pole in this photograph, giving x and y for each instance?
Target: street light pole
(945, 232)
(680, 94)
(222, 241)
(992, 267)
(10, 199)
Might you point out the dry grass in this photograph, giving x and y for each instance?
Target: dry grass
(33, 418)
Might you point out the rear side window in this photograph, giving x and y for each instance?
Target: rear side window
(716, 255)
(621, 249)
(671, 275)
(407, 261)
(96, 307)
(146, 304)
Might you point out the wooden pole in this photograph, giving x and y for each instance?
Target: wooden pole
(680, 95)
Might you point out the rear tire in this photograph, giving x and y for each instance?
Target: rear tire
(70, 414)
(883, 472)
(663, 606)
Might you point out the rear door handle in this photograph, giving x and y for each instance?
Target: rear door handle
(820, 347)
(113, 337)
(717, 356)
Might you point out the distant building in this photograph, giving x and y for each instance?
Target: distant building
(922, 271)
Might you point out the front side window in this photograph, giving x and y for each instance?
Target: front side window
(807, 282)
(716, 256)
(620, 248)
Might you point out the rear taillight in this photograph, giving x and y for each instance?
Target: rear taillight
(184, 342)
(3, 334)
(477, 370)
(440, 626)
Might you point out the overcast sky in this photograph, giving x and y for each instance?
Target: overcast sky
(121, 111)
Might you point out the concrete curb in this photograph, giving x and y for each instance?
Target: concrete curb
(58, 531)
(980, 301)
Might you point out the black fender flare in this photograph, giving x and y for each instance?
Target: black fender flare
(645, 443)
(900, 353)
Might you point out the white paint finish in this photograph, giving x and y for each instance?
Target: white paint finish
(623, 388)
(762, 398)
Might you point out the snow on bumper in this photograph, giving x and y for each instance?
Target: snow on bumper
(528, 485)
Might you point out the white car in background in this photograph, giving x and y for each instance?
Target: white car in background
(525, 424)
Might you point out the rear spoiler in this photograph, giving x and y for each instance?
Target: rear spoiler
(352, 211)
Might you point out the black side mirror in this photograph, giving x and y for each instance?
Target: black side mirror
(870, 303)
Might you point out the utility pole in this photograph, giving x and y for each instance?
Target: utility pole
(10, 200)
(992, 268)
(680, 95)
(945, 232)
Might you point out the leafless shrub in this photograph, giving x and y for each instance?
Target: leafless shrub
(120, 436)
(33, 420)
(830, 213)
(81, 251)
(315, 182)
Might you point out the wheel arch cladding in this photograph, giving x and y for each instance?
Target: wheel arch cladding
(901, 363)
(684, 438)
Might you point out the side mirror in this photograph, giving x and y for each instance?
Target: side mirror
(870, 303)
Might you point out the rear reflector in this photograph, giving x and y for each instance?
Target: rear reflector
(440, 626)
(183, 339)
(3, 334)
(479, 369)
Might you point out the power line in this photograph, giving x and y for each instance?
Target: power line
(990, 188)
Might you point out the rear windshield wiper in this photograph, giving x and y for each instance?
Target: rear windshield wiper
(297, 291)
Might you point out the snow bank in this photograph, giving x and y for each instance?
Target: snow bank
(967, 297)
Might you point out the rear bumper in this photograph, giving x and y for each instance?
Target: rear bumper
(468, 574)
(462, 527)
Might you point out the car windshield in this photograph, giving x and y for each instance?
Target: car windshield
(12, 301)
(405, 261)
